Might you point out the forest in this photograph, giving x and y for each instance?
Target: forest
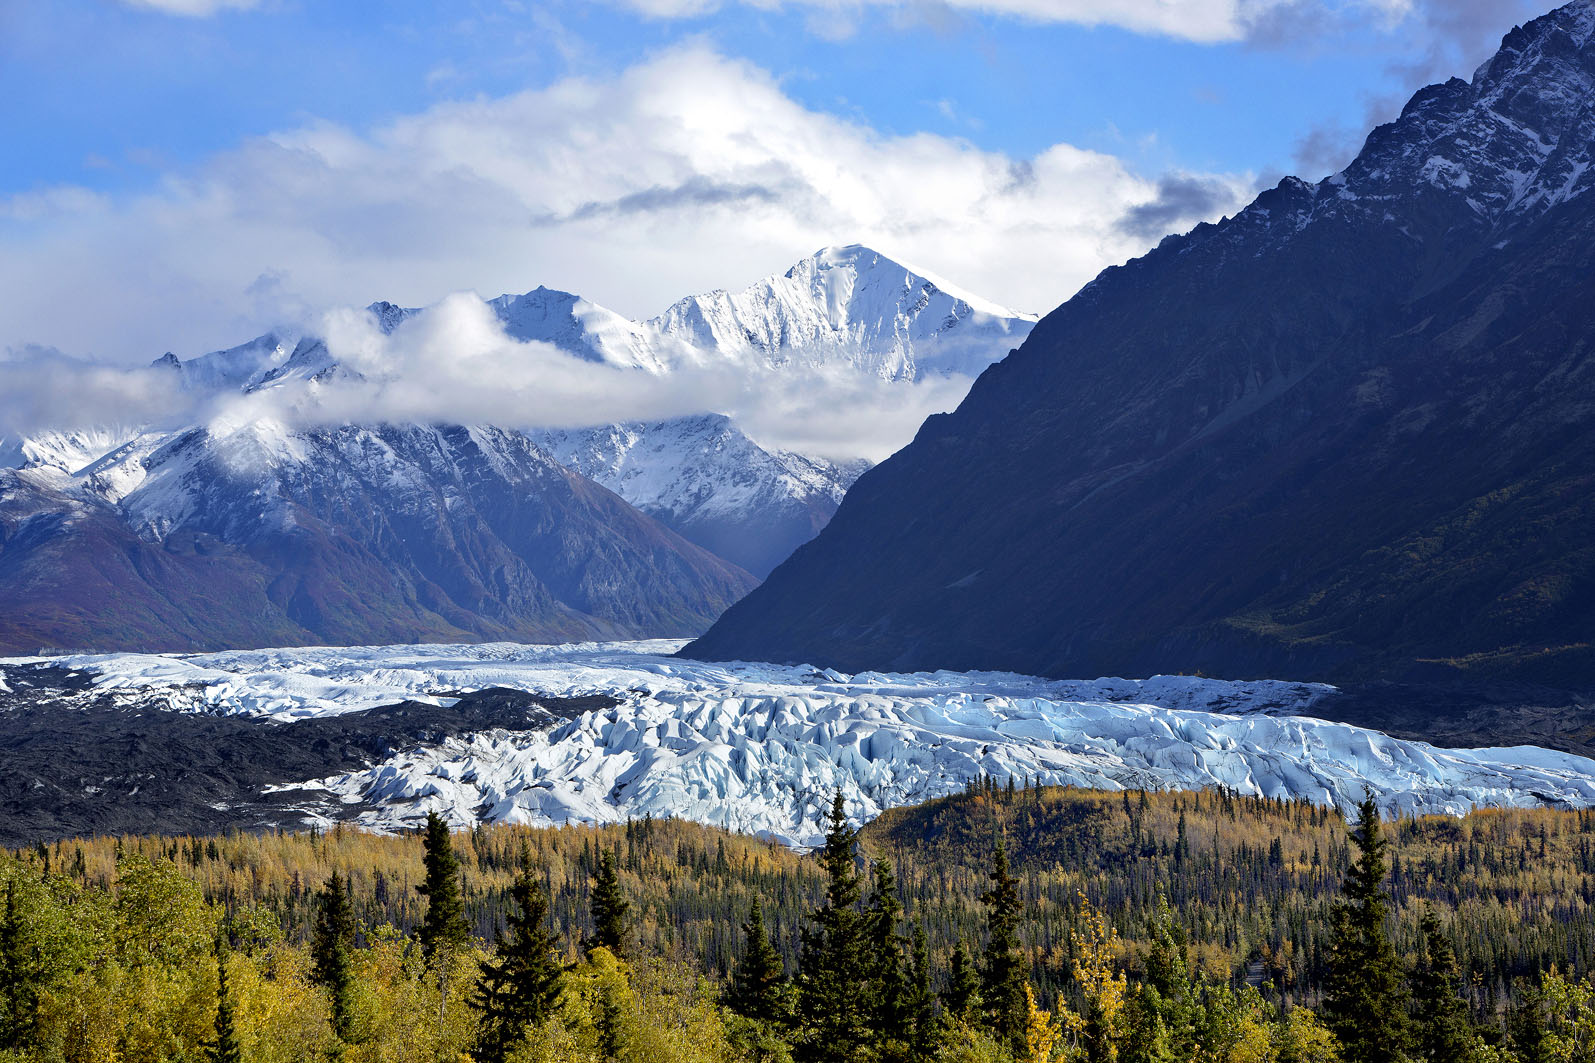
(1010, 922)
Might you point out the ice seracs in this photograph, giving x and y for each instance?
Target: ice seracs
(760, 748)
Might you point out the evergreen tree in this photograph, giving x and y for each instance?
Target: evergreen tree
(1528, 1026)
(609, 908)
(19, 991)
(962, 998)
(1002, 974)
(443, 928)
(1172, 984)
(1146, 1033)
(883, 952)
(1363, 988)
(611, 1022)
(1444, 1033)
(833, 1012)
(226, 1049)
(920, 1005)
(520, 986)
(331, 952)
(758, 986)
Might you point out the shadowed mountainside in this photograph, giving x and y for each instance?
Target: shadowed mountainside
(1348, 434)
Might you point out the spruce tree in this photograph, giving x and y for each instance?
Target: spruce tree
(608, 908)
(331, 952)
(925, 1034)
(883, 953)
(443, 928)
(1146, 1035)
(518, 989)
(961, 1000)
(833, 1012)
(1363, 989)
(758, 988)
(1171, 985)
(1002, 973)
(1528, 1025)
(19, 991)
(226, 1049)
(1444, 1034)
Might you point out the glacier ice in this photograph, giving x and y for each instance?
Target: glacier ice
(760, 748)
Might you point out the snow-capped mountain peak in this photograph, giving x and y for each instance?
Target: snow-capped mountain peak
(854, 307)
(228, 477)
(842, 271)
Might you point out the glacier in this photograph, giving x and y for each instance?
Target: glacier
(760, 748)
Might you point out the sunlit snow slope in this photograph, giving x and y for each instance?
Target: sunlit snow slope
(760, 748)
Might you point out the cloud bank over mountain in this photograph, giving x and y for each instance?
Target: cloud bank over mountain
(454, 364)
(689, 171)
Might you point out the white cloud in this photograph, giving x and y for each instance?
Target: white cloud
(454, 364)
(1198, 20)
(686, 173)
(45, 389)
(191, 8)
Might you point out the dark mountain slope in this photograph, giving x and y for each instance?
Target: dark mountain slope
(353, 535)
(1349, 433)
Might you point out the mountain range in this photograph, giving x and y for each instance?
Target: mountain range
(245, 531)
(1346, 434)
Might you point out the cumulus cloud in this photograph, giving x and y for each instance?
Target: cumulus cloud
(685, 173)
(1327, 149)
(1205, 21)
(454, 364)
(45, 389)
(1439, 39)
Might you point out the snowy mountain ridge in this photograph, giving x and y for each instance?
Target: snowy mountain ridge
(155, 535)
(253, 532)
(1516, 141)
(842, 307)
(846, 309)
(705, 478)
(760, 748)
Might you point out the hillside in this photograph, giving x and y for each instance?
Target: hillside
(1249, 882)
(225, 536)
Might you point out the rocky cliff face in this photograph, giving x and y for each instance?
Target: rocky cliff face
(1348, 433)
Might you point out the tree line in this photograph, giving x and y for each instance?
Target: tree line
(146, 967)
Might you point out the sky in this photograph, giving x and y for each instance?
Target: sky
(181, 174)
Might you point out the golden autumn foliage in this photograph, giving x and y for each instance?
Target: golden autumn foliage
(120, 933)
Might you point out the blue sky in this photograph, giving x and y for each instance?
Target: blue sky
(212, 165)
